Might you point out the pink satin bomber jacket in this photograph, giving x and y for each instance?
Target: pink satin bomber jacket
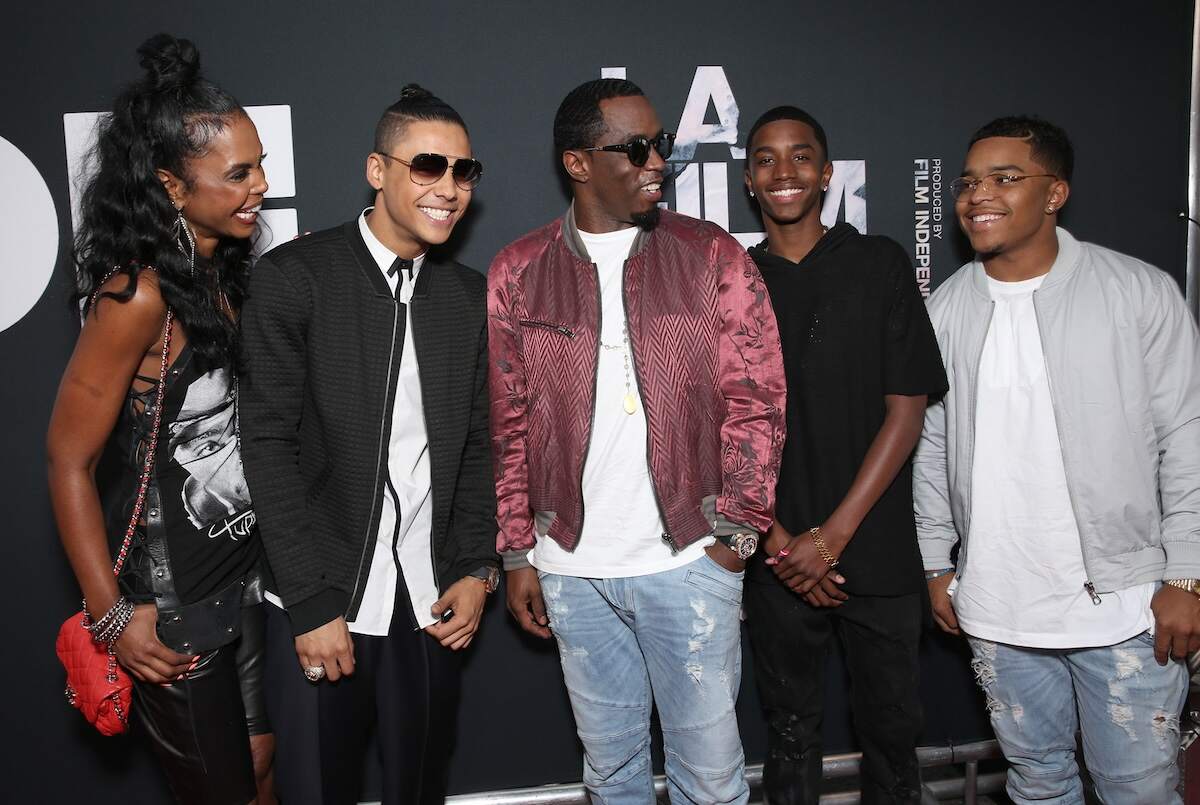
(707, 357)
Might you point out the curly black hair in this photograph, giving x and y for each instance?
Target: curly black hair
(128, 222)
(579, 121)
(1048, 144)
(790, 113)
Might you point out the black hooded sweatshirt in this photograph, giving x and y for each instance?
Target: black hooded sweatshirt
(854, 328)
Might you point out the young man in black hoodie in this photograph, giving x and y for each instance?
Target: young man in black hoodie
(861, 361)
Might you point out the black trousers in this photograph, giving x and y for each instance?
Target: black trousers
(404, 691)
(790, 640)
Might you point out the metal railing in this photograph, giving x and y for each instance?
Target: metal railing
(834, 767)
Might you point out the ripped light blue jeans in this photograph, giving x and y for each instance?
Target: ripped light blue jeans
(1125, 705)
(674, 636)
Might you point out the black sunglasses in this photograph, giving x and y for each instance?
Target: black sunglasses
(425, 169)
(638, 149)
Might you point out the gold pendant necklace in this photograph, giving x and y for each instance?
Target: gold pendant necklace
(629, 401)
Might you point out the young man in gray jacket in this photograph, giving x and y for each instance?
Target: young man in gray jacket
(1065, 460)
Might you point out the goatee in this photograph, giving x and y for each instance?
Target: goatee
(646, 221)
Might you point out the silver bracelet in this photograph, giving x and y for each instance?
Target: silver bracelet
(102, 622)
(930, 575)
(110, 634)
(110, 626)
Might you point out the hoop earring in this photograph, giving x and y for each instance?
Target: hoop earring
(190, 252)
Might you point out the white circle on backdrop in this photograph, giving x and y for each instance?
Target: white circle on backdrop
(28, 235)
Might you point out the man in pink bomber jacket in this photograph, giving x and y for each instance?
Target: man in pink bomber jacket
(637, 399)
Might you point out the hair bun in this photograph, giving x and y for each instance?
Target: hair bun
(415, 92)
(169, 62)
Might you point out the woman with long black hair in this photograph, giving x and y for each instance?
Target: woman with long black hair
(162, 257)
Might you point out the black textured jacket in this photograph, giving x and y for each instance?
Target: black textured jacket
(322, 340)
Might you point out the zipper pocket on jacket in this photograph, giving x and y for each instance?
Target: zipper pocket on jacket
(558, 328)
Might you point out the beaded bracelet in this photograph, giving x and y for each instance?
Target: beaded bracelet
(110, 625)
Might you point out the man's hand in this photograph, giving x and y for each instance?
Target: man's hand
(776, 540)
(524, 594)
(724, 556)
(826, 593)
(943, 607)
(801, 568)
(466, 597)
(141, 652)
(1176, 623)
(329, 645)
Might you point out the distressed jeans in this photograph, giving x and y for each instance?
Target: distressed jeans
(1125, 705)
(672, 638)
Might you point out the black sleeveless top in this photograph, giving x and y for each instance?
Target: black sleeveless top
(201, 509)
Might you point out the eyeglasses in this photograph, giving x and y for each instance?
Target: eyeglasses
(425, 169)
(638, 149)
(993, 181)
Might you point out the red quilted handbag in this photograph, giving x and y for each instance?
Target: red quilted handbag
(96, 683)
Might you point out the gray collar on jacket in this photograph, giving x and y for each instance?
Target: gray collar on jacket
(570, 234)
(1068, 259)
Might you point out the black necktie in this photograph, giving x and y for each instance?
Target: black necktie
(397, 264)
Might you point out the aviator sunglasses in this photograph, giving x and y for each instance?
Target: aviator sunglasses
(638, 149)
(425, 169)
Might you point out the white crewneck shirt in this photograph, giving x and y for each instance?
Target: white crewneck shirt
(1022, 582)
(622, 527)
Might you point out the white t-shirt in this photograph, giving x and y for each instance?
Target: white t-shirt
(622, 527)
(1023, 579)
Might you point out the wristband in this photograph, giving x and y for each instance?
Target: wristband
(930, 575)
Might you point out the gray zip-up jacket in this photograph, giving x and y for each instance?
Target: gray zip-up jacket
(1122, 355)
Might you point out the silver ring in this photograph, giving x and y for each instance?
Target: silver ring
(315, 673)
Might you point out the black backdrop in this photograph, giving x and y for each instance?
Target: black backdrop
(893, 83)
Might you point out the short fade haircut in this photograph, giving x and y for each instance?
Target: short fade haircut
(415, 104)
(789, 113)
(579, 121)
(1048, 144)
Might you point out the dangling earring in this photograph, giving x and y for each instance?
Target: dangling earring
(190, 252)
(1049, 209)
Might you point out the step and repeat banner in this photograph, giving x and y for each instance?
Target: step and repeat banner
(899, 88)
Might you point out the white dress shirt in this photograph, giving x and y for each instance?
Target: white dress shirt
(405, 524)
(406, 521)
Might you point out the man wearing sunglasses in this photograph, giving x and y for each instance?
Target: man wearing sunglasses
(365, 432)
(1065, 462)
(637, 422)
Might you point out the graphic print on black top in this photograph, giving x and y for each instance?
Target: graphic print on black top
(202, 440)
(204, 514)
